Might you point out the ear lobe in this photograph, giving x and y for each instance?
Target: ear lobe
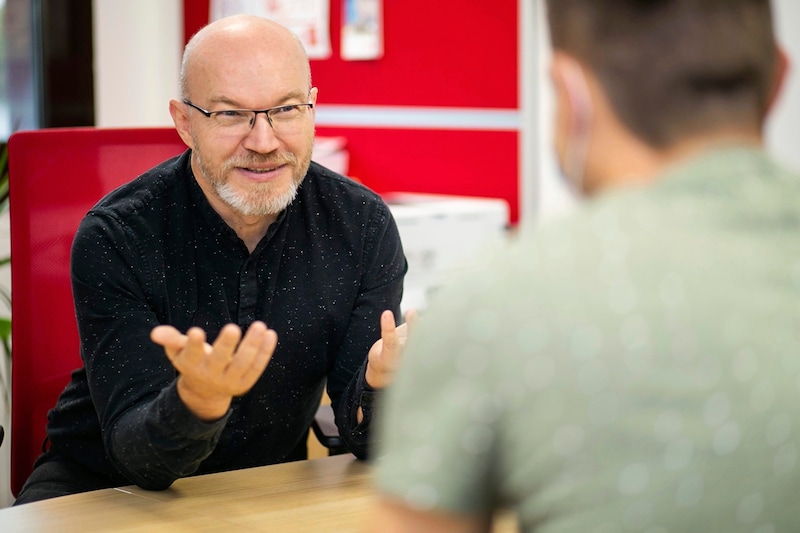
(180, 118)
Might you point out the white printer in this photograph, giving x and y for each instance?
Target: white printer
(440, 233)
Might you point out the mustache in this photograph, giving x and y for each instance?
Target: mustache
(261, 159)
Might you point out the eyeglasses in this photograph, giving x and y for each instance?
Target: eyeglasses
(283, 118)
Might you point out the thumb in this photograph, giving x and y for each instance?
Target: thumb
(389, 331)
(170, 338)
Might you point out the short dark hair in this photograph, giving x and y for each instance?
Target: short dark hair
(673, 68)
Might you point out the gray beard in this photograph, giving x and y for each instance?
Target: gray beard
(258, 203)
(262, 200)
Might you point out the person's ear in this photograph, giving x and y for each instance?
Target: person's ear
(572, 91)
(180, 117)
(779, 74)
(573, 119)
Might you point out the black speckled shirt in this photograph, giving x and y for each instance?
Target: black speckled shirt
(155, 252)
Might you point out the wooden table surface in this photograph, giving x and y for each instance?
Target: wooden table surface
(332, 494)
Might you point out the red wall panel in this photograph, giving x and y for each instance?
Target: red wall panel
(471, 163)
(195, 16)
(436, 53)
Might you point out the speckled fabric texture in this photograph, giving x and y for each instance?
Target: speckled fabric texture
(155, 252)
(631, 367)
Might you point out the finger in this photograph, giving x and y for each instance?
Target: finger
(260, 362)
(389, 334)
(183, 351)
(195, 350)
(254, 338)
(404, 329)
(247, 351)
(251, 342)
(412, 317)
(223, 348)
(249, 361)
(169, 338)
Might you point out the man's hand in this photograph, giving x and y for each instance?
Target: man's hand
(384, 356)
(210, 376)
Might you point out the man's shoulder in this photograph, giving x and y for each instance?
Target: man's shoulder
(145, 206)
(147, 191)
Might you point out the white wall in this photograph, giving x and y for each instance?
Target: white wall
(137, 53)
(783, 129)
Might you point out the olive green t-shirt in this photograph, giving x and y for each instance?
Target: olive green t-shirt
(632, 367)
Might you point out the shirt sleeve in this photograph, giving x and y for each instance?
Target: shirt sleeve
(381, 289)
(148, 433)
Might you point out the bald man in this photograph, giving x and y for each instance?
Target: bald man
(219, 292)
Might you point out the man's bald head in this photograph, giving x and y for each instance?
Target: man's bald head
(232, 40)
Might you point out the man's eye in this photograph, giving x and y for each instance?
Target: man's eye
(231, 114)
(284, 110)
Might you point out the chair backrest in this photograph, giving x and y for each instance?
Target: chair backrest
(56, 176)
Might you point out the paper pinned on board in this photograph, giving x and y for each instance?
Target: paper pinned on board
(362, 29)
(308, 19)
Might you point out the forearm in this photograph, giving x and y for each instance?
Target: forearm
(156, 443)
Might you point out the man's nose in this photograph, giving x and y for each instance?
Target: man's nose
(261, 137)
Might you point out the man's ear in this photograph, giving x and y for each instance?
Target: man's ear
(180, 117)
(779, 74)
(572, 90)
(573, 118)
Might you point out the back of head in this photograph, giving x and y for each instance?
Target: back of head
(673, 69)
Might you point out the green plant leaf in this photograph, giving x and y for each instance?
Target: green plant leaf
(5, 328)
(5, 296)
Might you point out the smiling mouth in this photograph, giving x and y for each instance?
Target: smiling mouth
(263, 170)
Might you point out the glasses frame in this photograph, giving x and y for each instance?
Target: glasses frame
(255, 112)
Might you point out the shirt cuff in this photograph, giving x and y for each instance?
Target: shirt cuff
(178, 417)
(367, 398)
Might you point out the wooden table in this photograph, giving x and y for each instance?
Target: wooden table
(333, 494)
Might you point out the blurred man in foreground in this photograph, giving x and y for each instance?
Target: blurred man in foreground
(632, 367)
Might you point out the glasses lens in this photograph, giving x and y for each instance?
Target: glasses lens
(288, 117)
(233, 120)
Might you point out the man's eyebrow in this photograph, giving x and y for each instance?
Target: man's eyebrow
(294, 95)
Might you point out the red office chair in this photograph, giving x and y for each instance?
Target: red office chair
(56, 175)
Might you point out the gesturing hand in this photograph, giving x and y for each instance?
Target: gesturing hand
(385, 354)
(210, 376)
